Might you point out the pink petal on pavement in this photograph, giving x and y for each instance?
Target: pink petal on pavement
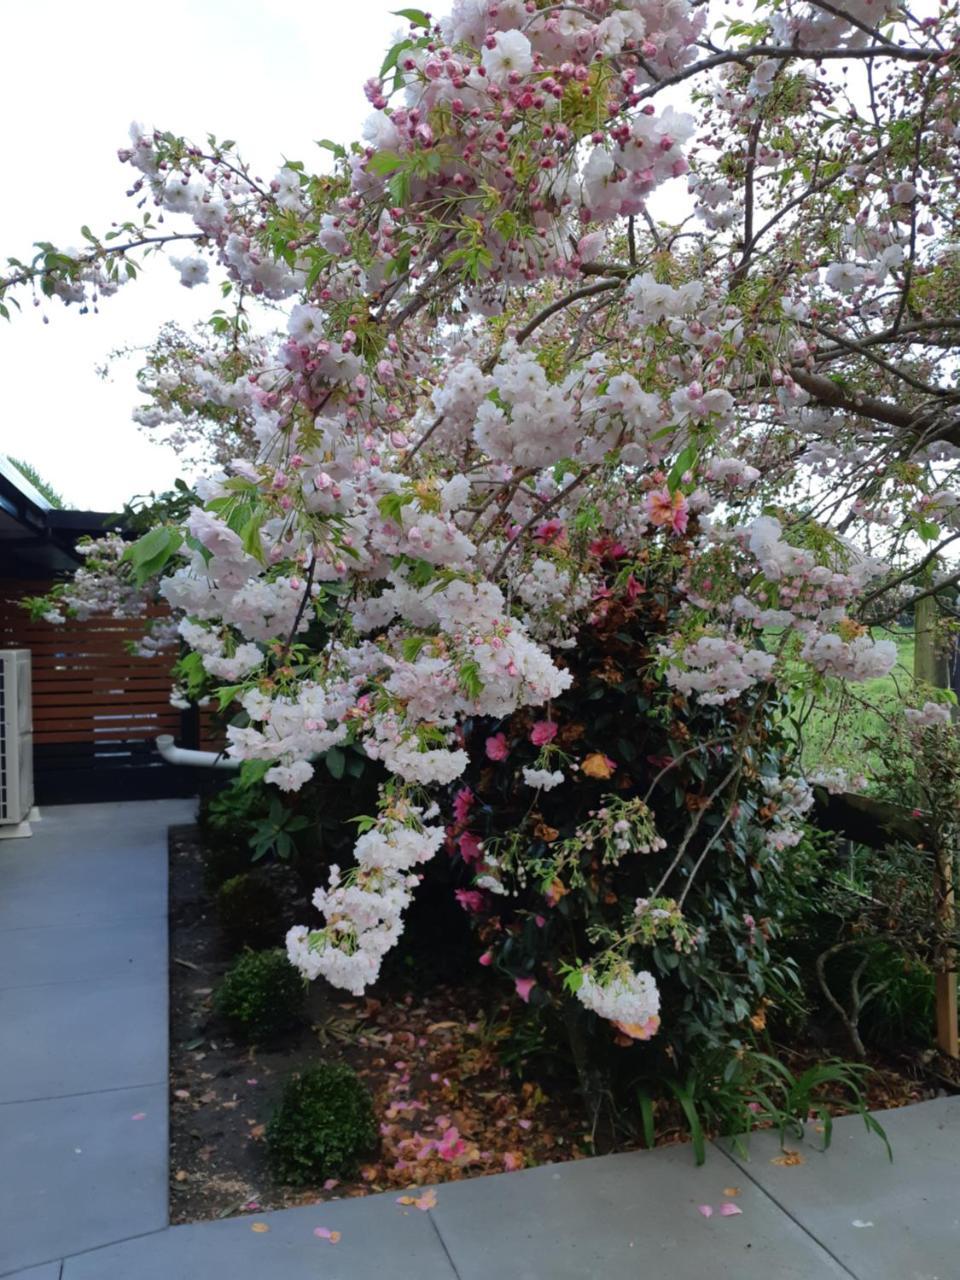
(139, 1115)
(705, 1209)
(730, 1211)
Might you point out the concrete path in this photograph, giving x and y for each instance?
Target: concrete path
(83, 1144)
(83, 1031)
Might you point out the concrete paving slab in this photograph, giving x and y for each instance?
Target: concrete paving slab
(78, 1037)
(159, 814)
(379, 1241)
(80, 1172)
(134, 951)
(623, 1216)
(882, 1220)
(50, 1272)
(119, 881)
(90, 864)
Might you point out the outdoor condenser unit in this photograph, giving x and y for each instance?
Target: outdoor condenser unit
(16, 737)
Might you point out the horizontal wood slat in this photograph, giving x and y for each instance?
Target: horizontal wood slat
(87, 686)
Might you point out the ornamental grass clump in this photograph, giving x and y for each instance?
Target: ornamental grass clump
(324, 1124)
(261, 996)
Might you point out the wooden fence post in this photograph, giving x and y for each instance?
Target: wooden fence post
(931, 664)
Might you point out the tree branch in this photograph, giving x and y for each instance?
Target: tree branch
(588, 291)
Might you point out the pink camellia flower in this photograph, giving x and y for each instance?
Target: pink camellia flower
(470, 846)
(486, 959)
(524, 986)
(496, 747)
(470, 899)
(607, 547)
(462, 804)
(549, 531)
(666, 510)
(543, 731)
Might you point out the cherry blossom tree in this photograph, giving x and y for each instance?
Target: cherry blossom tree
(614, 299)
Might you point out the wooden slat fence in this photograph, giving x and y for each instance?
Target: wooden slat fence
(97, 707)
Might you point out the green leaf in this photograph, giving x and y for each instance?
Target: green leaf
(250, 537)
(147, 547)
(684, 1096)
(149, 554)
(336, 762)
(416, 17)
(339, 151)
(411, 646)
(393, 56)
(384, 162)
(686, 461)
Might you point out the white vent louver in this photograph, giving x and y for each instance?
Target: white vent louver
(16, 737)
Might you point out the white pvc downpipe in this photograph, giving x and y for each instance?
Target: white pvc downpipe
(198, 759)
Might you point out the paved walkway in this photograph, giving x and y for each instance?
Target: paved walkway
(83, 1144)
(83, 1030)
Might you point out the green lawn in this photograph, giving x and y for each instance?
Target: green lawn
(846, 724)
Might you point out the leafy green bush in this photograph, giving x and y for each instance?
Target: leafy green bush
(730, 1092)
(227, 822)
(250, 911)
(323, 1125)
(261, 995)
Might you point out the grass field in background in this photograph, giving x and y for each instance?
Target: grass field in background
(837, 727)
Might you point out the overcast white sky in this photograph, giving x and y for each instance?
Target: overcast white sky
(274, 77)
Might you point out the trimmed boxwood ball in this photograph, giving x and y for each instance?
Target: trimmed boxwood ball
(323, 1125)
(261, 995)
(250, 912)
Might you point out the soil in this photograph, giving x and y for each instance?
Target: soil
(432, 1058)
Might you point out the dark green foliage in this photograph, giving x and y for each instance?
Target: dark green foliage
(261, 995)
(249, 911)
(324, 1124)
(680, 755)
(861, 924)
(728, 1093)
(227, 820)
(903, 1010)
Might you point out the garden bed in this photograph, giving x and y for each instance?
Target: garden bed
(432, 1056)
(431, 1062)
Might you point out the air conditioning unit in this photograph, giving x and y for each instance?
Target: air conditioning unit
(16, 741)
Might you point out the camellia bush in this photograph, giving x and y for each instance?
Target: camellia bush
(616, 397)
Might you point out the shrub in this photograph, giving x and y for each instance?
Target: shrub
(261, 995)
(249, 911)
(323, 1125)
(227, 821)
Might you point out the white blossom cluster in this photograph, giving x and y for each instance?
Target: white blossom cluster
(363, 912)
(628, 999)
(930, 714)
(717, 668)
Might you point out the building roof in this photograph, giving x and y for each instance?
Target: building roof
(38, 540)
